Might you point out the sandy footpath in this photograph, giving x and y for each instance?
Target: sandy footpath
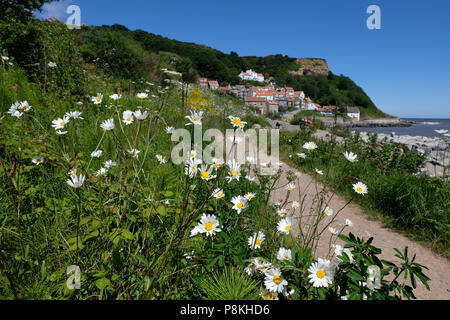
(384, 238)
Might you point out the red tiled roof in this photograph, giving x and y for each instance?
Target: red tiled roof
(254, 99)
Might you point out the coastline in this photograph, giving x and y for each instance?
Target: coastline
(370, 123)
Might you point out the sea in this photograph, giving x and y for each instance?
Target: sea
(421, 127)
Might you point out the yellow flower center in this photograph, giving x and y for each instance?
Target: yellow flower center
(359, 189)
(219, 195)
(240, 205)
(208, 226)
(217, 165)
(287, 228)
(269, 296)
(258, 241)
(61, 123)
(98, 99)
(320, 274)
(237, 121)
(234, 173)
(192, 155)
(128, 119)
(205, 175)
(277, 279)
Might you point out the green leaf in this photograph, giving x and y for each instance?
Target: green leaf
(162, 211)
(102, 283)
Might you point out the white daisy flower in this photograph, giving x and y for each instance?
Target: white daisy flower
(208, 224)
(128, 117)
(319, 172)
(328, 211)
(301, 155)
(332, 230)
(75, 115)
(267, 295)
(348, 222)
(254, 242)
(284, 254)
(237, 122)
(192, 155)
(97, 154)
(295, 205)
(115, 96)
(249, 196)
(72, 171)
(350, 156)
(141, 115)
(23, 106)
(290, 187)
(218, 193)
(109, 164)
(134, 153)
(161, 159)
(60, 123)
(108, 125)
(309, 146)
(360, 188)
(282, 212)
(262, 267)
(217, 163)
(285, 225)
(190, 168)
(52, 64)
(234, 172)
(101, 172)
(321, 273)
(205, 172)
(98, 99)
(170, 130)
(195, 118)
(75, 182)
(142, 95)
(240, 203)
(37, 160)
(274, 281)
(297, 174)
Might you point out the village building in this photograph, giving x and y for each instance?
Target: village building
(203, 82)
(251, 75)
(258, 102)
(213, 85)
(353, 112)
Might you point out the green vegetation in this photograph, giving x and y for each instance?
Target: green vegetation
(415, 204)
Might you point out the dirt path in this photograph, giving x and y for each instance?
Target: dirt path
(363, 226)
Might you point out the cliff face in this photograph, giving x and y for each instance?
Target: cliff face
(311, 66)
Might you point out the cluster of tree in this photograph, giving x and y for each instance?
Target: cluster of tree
(125, 54)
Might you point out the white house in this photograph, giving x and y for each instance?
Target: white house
(310, 105)
(353, 112)
(251, 75)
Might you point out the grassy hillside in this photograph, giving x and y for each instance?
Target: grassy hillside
(193, 60)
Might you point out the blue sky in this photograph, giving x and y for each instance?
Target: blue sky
(404, 67)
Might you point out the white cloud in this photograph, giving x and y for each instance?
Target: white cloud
(54, 9)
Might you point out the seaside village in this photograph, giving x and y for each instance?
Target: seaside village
(271, 99)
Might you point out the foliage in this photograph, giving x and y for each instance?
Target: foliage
(230, 284)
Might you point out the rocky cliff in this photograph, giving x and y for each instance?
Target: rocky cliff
(311, 66)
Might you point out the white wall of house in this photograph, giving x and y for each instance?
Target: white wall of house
(353, 116)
